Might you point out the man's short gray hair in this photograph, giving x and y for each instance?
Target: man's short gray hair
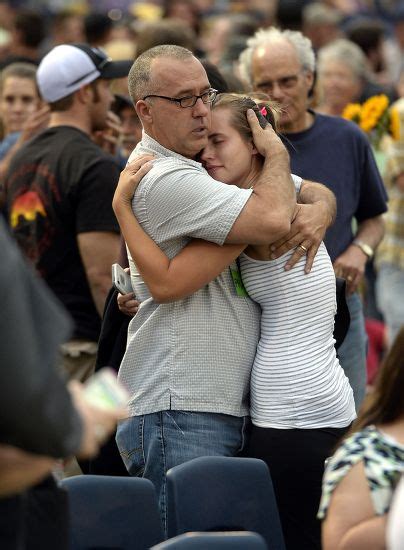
(140, 81)
(262, 37)
(346, 52)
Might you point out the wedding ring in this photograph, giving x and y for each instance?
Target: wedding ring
(303, 248)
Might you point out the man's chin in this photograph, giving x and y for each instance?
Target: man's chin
(198, 143)
(286, 124)
(200, 137)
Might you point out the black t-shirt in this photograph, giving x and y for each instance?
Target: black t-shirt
(336, 153)
(61, 184)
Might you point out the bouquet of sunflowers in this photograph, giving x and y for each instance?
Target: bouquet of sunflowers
(375, 118)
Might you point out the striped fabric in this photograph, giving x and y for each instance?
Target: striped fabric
(297, 381)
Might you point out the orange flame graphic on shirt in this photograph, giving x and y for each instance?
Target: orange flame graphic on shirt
(28, 205)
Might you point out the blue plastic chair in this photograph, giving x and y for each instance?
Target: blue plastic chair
(237, 540)
(112, 512)
(223, 494)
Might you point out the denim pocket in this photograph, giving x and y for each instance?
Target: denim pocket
(245, 435)
(129, 439)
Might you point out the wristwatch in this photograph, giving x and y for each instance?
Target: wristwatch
(366, 248)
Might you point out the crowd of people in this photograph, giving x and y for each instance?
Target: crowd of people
(205, 146)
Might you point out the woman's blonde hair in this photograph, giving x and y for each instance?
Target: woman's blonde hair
(239, 104)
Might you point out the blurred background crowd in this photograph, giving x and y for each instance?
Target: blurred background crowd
(216, 29)
(359, 46)
(359, 75)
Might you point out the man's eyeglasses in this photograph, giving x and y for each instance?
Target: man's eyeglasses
(189, 101)
(286, 83)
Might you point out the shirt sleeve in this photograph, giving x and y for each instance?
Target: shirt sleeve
(184, 201)
(36, 412)
(373, 196)
(94, 199)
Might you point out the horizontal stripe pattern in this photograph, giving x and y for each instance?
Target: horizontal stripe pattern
(297, 381)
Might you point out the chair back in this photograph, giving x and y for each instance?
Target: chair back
(237, 540)
(112, 512)
(223, 494)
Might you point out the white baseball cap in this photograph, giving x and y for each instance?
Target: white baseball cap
(68, 67)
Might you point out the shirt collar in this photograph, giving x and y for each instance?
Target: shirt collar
(153, 145)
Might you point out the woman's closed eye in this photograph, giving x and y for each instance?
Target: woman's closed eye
(217, 141)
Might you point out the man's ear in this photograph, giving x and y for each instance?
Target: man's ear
(310, 78)
(143, 111)
(85, 94)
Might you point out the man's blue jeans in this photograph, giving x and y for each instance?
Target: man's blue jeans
(352, 353)
(152, 444)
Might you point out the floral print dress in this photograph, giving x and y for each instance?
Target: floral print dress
(383, 460)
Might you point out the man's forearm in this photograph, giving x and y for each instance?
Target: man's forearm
(371, 231)
(100, 284)
(268, 214)
(312, 193)
(275, 187)
(98, 251)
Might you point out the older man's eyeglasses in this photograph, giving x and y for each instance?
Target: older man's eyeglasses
(189, 101)
(286, 83)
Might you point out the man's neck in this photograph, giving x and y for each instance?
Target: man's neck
(150, 135)
(300, 126)
(65, 118)
(333, 110)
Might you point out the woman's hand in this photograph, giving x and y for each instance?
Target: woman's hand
(109, 138)
(98, 423)
(129, 180)
(127, 304)
(35, 123)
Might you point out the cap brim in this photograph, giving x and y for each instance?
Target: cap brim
(116, 69)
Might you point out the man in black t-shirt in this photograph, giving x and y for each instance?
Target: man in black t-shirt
(59, 190)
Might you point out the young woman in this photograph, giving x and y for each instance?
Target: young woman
(301, 401)
(22, 112)
(361, 476)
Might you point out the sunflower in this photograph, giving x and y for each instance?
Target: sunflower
(352, 112)
(376, 119)
(372, 111)
(395, 124)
